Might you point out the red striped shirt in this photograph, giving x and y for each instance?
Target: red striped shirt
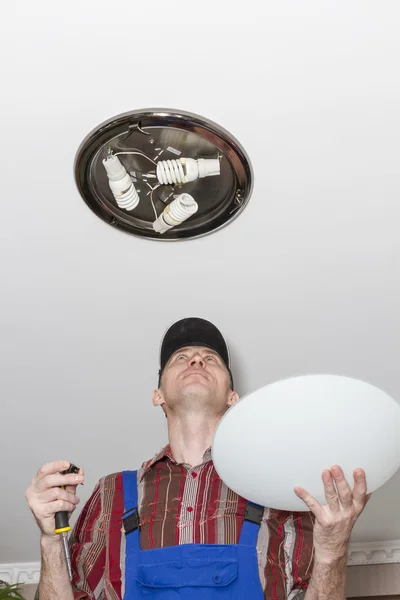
(179, 504)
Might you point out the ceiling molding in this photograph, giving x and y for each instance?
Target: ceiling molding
(374, 553)
(368, 553)
(20, 572)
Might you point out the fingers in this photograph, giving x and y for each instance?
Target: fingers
(343, 488)
(347, 497)
(338, 494)
(331, 493)
(72, 488)
(311, 502)
(52, 467)
(360, 489)
(51, 508)
(48, 481)
(58, 494)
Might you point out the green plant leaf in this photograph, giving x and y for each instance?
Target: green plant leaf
(10, 591)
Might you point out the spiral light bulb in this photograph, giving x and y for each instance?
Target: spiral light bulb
(120, 183)
(180, 209)
(184, 170)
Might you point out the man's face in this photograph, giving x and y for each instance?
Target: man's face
(196, 378)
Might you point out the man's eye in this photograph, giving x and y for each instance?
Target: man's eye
(211, 357)
(180, 356)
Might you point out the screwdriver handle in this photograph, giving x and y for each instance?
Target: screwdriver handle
(61, 517)
(62, 520)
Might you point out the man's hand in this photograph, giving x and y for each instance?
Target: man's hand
(45, 496)
(334, 521)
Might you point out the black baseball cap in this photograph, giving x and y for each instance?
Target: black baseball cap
(193, 331)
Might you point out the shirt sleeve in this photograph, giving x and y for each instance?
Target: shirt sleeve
(88, 549)
(301, 532)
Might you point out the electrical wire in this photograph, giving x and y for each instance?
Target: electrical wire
(140, 153)
(141, 130)
(152, 203)
(151, 197)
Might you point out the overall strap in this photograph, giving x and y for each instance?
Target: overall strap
(130, 517)
(251, 524)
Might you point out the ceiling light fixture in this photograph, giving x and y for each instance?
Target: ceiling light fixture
(163, 174)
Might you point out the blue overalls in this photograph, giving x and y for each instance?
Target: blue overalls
(190, 571)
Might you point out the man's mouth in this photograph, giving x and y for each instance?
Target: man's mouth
(195, 373)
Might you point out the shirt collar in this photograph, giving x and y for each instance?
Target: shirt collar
(165, 453)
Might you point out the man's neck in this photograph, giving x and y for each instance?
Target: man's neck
(190, 436)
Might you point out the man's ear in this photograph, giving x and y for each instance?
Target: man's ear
(233, 397)
(158, 398)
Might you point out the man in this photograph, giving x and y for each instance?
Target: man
(173, 529)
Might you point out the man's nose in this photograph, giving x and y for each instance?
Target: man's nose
(196, 360)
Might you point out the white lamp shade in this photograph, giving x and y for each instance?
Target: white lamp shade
(285, 434)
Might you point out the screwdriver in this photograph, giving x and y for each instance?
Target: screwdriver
(62, 525)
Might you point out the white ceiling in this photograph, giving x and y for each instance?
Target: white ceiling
(305, 280)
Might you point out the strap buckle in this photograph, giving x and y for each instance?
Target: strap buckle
(131, 522)
(253, 513)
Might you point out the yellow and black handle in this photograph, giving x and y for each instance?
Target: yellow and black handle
(61, 517)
